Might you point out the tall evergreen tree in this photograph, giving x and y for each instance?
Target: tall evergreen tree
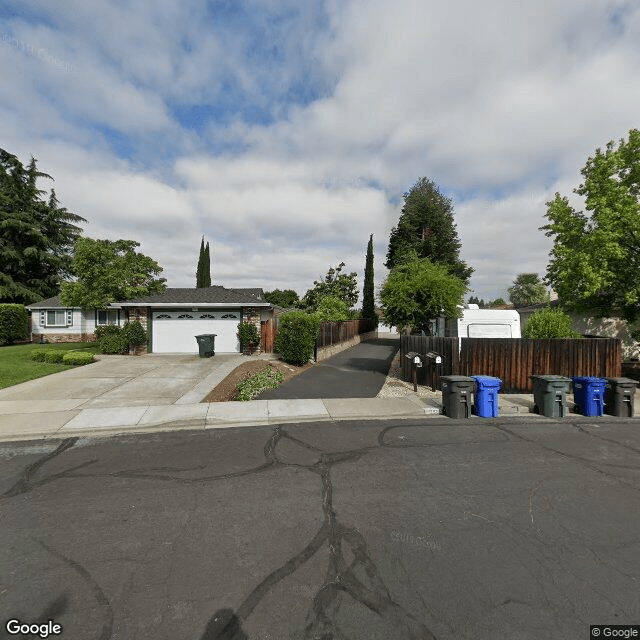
(426, 228)
(36, 235)
(368, 302)
(200, 267)
(206, 276)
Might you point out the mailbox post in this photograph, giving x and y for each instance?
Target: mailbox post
(416, 363)
(434, 360)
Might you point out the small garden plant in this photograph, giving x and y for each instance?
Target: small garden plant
(268, 378)
(248, 334)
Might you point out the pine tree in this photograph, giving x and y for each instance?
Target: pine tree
(200, 268)
(426, 228)
(206, 281)
(36, 236)
(368, 302)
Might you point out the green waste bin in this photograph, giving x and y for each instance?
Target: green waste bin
(618, 397)
(207, 344)
(550, 395)
(456, 396)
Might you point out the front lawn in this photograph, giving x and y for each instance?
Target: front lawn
(16, 366)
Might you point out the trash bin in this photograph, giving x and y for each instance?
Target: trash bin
(588, 393)
(456, 396)
(486, 396)
(550, 395)
(618, 397)
(207, 344)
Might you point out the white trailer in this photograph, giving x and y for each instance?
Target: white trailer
(487, 323)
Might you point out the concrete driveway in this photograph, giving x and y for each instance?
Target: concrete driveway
(116, 381)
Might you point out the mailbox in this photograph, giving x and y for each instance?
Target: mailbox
(435, 357)
(414, 358)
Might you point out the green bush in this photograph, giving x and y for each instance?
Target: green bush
(14, 323)
(268, 378)
(549, 323)
(77, 357)
(297, 336)
(111, 339)
(248, 332)
(54, 356)
(38, 354)
(134, 334)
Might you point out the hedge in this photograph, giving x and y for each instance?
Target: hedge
(14, 323)
(77, 357)
(297, 336)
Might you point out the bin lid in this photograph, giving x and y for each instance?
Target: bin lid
(487, 381)
(207, 335)
(627, 382)
(456, 378)
(550, 378)
(588, 380)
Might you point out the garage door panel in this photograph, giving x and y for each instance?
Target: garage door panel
(174, 332)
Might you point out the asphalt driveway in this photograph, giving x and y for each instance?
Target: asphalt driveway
(357, 372)
(117, 381)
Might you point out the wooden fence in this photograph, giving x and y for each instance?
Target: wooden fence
(513, 360)
(335, 332)
(330, 332)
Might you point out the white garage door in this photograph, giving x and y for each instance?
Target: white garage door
(175, 331)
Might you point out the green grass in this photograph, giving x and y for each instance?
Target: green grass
(16, 366)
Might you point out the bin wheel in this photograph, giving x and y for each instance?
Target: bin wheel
(536, 409)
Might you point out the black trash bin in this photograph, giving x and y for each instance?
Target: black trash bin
(618, 397)
(550, 395)
(456, 396)
(207, 344)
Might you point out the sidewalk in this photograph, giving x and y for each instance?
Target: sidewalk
(30, 418)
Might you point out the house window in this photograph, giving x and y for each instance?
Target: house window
(106, 316)
(229, 315)
(208, 316)
(185, 315)
(57, 317)
(163, 316)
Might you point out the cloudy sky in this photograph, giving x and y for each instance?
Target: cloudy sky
(286, 131)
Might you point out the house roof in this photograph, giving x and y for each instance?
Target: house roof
(215, 295)
(205, 296)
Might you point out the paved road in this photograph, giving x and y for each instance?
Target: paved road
(357, 372)
(391, 530)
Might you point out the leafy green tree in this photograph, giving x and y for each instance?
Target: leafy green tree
(549, 323)
(109, 272)
(207, 267)
(335, 283)
(426, 226)
(498, 302)
(595, 260)
(332, 309)
(527, 289)
(286, 298)
(36, 235)
(418, 291)
(368, 301)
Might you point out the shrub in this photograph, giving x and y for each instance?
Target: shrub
(268, 378)
(38, 354)
(549, 323)
(248, 332)
(53, 356)
(134, 334)
(14, 323)
(111, 339)
(77, 357)
(333, 309)
(297, 336)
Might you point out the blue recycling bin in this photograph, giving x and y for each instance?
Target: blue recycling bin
(486, 396)
(588, 394)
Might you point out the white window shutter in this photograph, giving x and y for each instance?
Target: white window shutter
(69, 317)
(43, 318)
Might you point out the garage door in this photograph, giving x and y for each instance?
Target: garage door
(175, 331)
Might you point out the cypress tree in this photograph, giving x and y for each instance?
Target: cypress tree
(200, 268)
(426, 227)
(206, 268)
(368, 303)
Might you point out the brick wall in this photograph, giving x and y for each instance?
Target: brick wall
(64, 337)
